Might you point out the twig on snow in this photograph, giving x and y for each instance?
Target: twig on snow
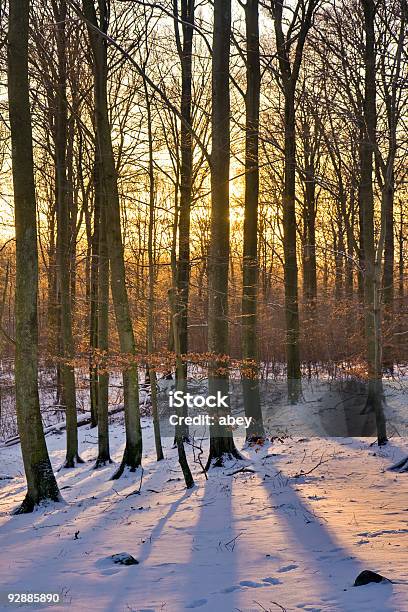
(242, 470)
(302, 473)
(137, 492)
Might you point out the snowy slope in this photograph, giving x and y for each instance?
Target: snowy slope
(253, 541)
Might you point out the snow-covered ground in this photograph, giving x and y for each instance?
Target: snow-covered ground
(268, 540)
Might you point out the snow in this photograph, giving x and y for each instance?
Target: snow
(286, 536)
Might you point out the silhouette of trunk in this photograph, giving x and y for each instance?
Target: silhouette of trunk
(152, 280)
(361, 252)
(289, 72)
(338, 247)
(181, 381)
(309, 220)
(52, 291)
(392, 87)
(401, 279)
(41, 483)
(102, 325)
(388, 274)
(289, 248)
(53, 319)
(93, 319)
(252, 400)
(180, 386)
(185, 49)
(349, 272)
(372, 259)
(221, 440)
(64, 238)
(401, 267)
(132, 456)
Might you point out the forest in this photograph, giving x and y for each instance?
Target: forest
(204, 305)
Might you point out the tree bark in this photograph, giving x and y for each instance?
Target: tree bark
(289, 249)
(388, 273)
(152, 280)
(289, 72)
(372, 263)
(180, 386)
(185, 52)
(180, 379)
(63, 239)
(94, 284)
(52, 290)
(41, 483)
(393, 107)
(252, 402)
(309, 220)
(102, 373)
(361, 250)
(221, 440)
(401, 261)
(186, 167)
(132, 456)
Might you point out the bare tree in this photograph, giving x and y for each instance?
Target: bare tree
(250, 248)
(185, 51)
(63, 236)
(221, 440)
(132, 456)
(393, 90)
(41, 483)
(102, 322)
(152, 279)
(290, 59)
(372, 255)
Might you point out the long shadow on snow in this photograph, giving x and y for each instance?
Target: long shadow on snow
(212, 567)
(323, 550)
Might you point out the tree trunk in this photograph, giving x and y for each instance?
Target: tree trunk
(252, 402)
(371, 262)
(289, 248)
(221, 440)
(338, 247)
(393, 105)
(63, 240)
(41, 483)
(132, 456)
(152, 280)
(180, 385)
(102, 389)
(361, 252)
(186, 169)
(289, 72)
(388, 274)
(309, 213)
(72, 210)
(94, 283)
(401, 266)
(401, 279)
(349, 272)
(52, 290)
(181, 381)
(185, 51)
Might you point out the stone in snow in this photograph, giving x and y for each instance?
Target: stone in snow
(367, 576)
(124, 558)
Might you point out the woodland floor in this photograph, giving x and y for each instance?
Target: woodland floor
(268, 540)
